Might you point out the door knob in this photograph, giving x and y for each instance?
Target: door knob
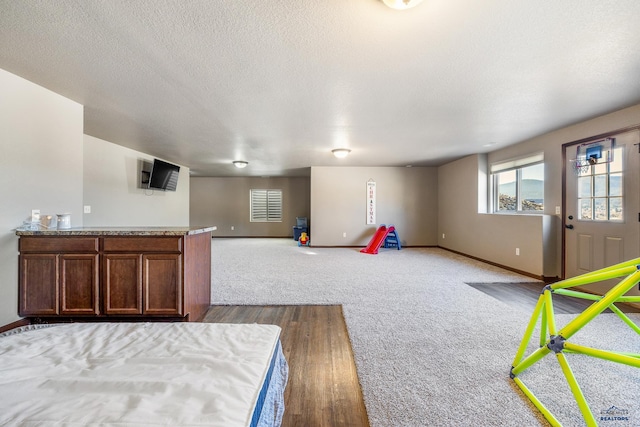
(570, 216)
(569, 226)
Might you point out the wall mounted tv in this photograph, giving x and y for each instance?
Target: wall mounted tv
(164, 176)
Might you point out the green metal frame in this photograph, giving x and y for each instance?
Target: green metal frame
(556, 340)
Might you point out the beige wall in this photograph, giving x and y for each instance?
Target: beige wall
(40, 168)
(225, 203)
(489, 237)
(495, 237)
(47, 163)
(406, 198)
(112, 189)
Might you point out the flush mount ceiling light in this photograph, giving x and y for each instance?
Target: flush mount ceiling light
(341, 152)
(240, 164)
(402, 4)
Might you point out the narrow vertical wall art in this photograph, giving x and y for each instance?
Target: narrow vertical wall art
(371, 202)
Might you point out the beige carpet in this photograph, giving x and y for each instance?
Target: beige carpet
(430, 350)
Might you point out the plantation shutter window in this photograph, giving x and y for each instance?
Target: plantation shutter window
(266, 205)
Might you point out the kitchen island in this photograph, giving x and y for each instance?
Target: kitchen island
(115, 273)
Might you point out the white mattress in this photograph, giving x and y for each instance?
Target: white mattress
(134, 374)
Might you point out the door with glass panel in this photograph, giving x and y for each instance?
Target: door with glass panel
(602, 191)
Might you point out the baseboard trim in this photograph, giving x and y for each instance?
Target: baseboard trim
(16, 324)
(363, 246)
(545, 279)
(252, 237)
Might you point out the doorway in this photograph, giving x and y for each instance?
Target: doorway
(601, 204)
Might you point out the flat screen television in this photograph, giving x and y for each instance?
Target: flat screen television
(164, 176)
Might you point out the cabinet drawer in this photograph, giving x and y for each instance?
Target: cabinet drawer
(142, 244)
(58, 244)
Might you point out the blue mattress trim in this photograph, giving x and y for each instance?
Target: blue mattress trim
(265, 387)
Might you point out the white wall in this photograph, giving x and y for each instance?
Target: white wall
(112, 189)
(47, 163)
(406, 198)
(40, 168)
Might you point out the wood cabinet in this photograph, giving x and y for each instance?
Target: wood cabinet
(142, 275)
(115, 276)
(58, 276)
(78, 284)
(122, 284)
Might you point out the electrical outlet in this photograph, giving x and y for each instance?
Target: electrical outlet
(233, 228)
(443, 235)
(35, 215)
(558, 211)
(518, 251)
(344, 234)
(87, 209)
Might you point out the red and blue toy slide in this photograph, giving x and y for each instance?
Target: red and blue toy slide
(378, 239)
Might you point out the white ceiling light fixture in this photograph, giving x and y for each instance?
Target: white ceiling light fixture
(240, 164)
(402, 4)
(341, 153)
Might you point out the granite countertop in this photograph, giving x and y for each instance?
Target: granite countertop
(117, 231)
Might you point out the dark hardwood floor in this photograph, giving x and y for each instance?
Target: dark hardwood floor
(525, 296)
(323, 388)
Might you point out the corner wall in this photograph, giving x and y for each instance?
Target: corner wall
(112, 189)
(489, 237)
(40, 168)
(405, 197)
(494, 237)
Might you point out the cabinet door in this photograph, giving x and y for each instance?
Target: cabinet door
(122, 283)
(38, 285)
(79, 284)
(163, 284)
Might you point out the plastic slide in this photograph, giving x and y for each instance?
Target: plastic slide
(377, 240)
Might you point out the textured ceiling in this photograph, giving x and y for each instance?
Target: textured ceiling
(280, 83)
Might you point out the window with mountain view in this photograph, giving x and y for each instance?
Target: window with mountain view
(518, 185)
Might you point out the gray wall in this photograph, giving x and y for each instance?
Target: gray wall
(112, 189)
(40, 168)
(406, 198)
(225, 203)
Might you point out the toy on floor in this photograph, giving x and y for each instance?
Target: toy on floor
(384, 236)
(303, 240)
(557, 340)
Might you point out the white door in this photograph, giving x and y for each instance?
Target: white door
(602, 205)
